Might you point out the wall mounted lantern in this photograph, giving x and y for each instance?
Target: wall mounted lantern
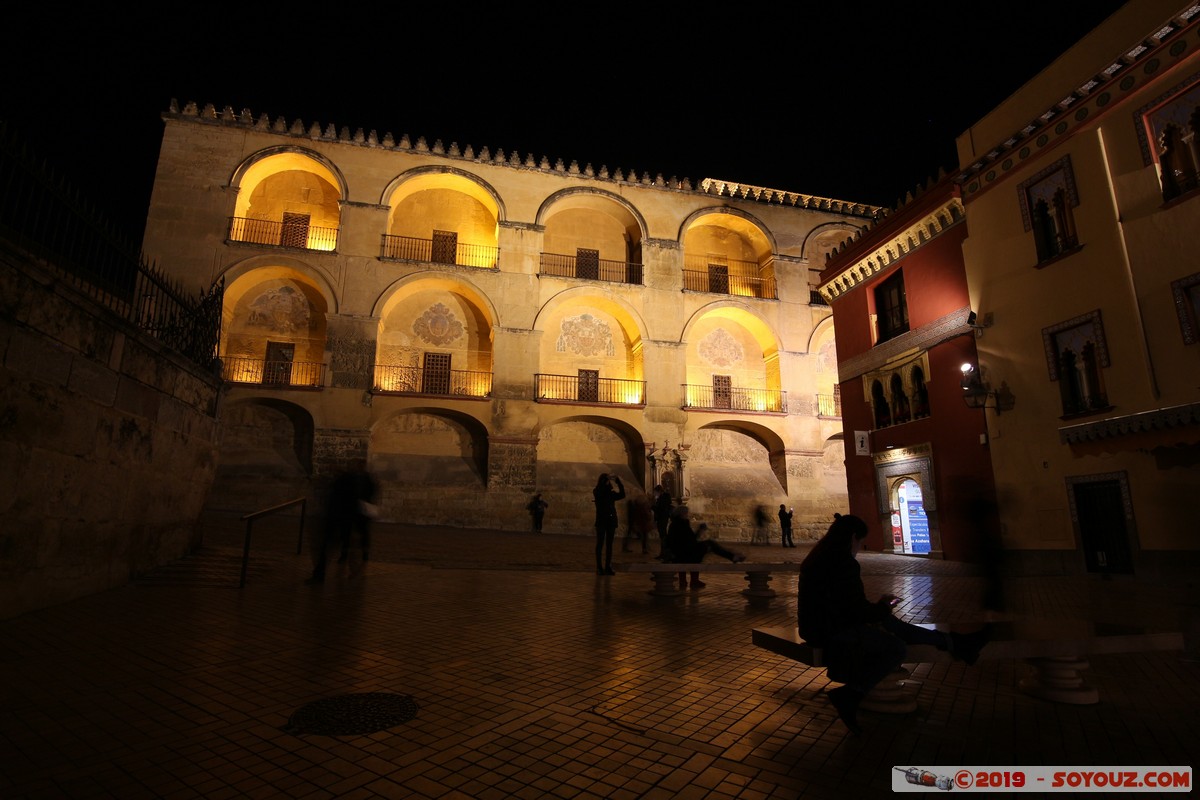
(976, 395)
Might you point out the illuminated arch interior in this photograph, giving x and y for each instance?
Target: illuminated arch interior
(596, 334)
(272, 307)
(436, 316)
(292, 184)
(728, 236)
(445, 202)
(592, 222)
(730, 343)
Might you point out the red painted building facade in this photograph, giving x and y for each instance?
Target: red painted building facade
(918, 466)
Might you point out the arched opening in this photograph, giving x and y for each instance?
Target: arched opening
(289, 200)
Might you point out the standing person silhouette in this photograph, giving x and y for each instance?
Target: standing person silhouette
(349, 506)
(605, 498)
(785, 525)
(662, 517)
(537, 508)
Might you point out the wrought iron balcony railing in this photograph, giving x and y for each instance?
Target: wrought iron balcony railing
(279, 374)
(418, 380)
(728, 276)
(282, 234)
(597, 269)
(439, 251)
(771, 401)
(601, 391)
(829, 405)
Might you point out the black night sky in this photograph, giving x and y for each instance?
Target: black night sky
(856, 101)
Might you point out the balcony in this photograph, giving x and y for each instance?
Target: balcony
(436, 382)
(439, 250)
(728, 276)
(753, 401)
(829, 405)
(276, 374)
(596, 391)
(292, 233)
(596, 269)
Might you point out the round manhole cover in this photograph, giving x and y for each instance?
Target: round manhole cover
(353, 714)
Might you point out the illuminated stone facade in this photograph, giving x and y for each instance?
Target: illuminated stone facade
(1082, 208)
(482, 325)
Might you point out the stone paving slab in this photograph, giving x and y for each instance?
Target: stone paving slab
(534, 678)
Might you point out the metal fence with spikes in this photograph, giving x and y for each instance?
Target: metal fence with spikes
(51, 223)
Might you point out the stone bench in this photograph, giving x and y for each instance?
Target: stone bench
(664, 576)
(1056, 649)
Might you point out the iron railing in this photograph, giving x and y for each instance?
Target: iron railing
(601, 391)
(597, 269)
(51, 222)
(417, 380)
(729, 276)
(408, 248)
(734, 398)
(278, 373)
(282, 234)
(249, 520)
(829, 405)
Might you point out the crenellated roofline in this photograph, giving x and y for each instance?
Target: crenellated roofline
(331, 133)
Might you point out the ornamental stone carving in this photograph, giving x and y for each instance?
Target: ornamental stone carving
(720, 349)
(438, 326)
(584, 335)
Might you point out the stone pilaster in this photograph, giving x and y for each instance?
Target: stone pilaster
(350, 345)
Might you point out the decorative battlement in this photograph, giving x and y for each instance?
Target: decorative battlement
(331, 133)
(921, 231)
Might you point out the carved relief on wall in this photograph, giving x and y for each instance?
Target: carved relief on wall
(438, 326)
(351, 361)
(584, 335)
(280, 310)
(720, 349)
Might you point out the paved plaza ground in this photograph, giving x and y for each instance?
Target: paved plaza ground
(516, 672)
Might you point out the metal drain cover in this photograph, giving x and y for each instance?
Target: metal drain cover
(352, 714)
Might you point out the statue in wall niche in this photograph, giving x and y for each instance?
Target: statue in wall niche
(438, 326)
(720, 349)
(280, 310)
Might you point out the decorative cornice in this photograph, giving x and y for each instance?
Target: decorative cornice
(522, 226)
(1145, 422)
(912, 237)
(925, 337)
(191, 112)
(1127, 73)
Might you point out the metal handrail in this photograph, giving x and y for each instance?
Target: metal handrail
(463, 254)
(278, 233)
(598, 269)
(249, 520)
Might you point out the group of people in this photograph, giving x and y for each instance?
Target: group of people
(862, 639)
(349, 509)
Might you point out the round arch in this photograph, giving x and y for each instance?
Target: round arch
(821, 331)
(583, 197)
(630, 319)
(734, 219)
(740, 313)
(762, 434)
(824, 238)
(444, 177)
(429, 279)
(257, 166)
(240, 275)
(629, 436)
